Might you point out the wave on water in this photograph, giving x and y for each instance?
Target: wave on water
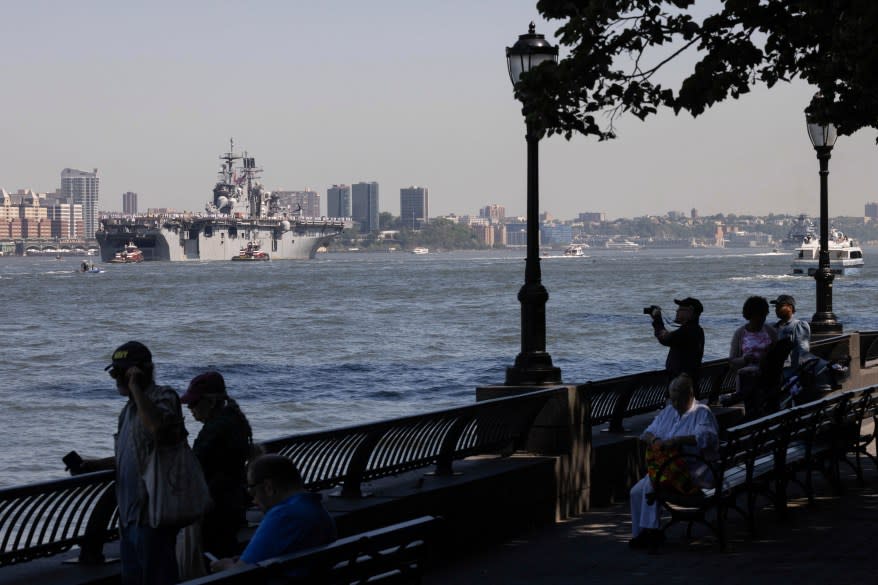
(765, 277)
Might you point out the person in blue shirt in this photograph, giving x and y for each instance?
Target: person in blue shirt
(294, 520)
(789, 327)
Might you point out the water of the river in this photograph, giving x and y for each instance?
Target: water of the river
(347, 337)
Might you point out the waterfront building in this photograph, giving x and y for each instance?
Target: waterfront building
(872, 210)
(129, 203)
(338, 201)
(290, 201)
(364, 205)
(516, 234)
(485, 233)
(414, 207)
(83, 188)
(494, 213)
(592, 217)
(66, 220)
(556, 233)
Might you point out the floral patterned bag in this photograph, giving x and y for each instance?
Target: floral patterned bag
(675, 473)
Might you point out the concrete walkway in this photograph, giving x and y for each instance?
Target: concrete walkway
(834, 542)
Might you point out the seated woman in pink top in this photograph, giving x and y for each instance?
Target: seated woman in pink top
(749, 345)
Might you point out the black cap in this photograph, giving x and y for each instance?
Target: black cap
(784, 300)
(690, 302)
(130, 354)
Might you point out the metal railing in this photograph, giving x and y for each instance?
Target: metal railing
(51, 517)
(48, 518)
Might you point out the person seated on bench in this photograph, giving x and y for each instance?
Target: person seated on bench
(294, 520)
(749, 345)
(687, 425)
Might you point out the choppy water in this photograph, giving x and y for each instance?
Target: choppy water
(347, 338)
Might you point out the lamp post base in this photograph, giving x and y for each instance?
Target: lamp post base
(533, 369)
(825, 325)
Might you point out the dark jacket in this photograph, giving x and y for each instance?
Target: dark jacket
(686, 347)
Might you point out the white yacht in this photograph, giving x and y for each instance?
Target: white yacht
(574, 250)
(845, 256)
(623, 245)
(421, 250)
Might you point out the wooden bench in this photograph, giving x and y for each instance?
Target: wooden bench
(762, 457)
(394, 554)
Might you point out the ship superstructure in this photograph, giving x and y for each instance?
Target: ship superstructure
(241, 212)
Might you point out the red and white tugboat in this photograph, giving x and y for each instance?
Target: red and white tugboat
(251, 253)
(130, 253)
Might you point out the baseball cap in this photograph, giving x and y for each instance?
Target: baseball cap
(784, 300)
(695, 304)
(130, 354)
(206, 383)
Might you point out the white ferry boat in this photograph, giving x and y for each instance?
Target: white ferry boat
(623, 245)
(845, 256)
(420, 250)
(574, 250)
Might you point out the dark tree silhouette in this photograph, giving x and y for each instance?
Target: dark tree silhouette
(617, 48)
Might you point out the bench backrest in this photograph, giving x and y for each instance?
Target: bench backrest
(393, 554)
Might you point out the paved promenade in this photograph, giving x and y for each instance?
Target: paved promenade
(834, 542)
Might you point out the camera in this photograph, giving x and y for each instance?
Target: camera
(648, 310)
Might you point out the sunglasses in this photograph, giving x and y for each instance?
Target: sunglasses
(253, 486)
(117, 373)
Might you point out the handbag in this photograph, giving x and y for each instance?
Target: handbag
(175, 484)
(668, 470)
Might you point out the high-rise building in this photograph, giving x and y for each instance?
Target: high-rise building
(364, 206)
(414, 207)
(129, 203)
(495, 213)
(83, 187)
(872, 210)
(338, 201)
(290, 202)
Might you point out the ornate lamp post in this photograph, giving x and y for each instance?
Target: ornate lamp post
(533, 365)
(823, 322)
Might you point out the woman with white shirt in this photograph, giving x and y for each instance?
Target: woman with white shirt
(691, 427)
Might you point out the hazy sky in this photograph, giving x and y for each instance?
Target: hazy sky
(403, 92)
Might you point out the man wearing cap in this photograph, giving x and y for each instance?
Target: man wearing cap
(152, 416)
(686, 343)
(789, 327)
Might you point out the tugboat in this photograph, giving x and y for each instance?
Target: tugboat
(130, 253)
(253, 252)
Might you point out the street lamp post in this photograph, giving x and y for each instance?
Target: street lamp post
(533, 365)
(823, 323)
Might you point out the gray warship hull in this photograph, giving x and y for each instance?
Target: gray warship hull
(215, 238)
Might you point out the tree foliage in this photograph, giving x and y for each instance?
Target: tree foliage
(617, 48)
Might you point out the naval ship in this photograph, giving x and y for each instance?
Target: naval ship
(242, 213)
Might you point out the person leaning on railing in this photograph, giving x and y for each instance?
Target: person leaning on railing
(683, 427)
(151, 417)
(222, 447)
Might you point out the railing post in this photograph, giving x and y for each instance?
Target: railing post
(92, 547)
(446, 451)
(621, 407)
(357, 466)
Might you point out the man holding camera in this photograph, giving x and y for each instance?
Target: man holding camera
(686, 343)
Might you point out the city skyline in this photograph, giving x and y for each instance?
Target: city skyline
(150, 115)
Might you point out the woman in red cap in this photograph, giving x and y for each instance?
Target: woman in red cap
(222, 447)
